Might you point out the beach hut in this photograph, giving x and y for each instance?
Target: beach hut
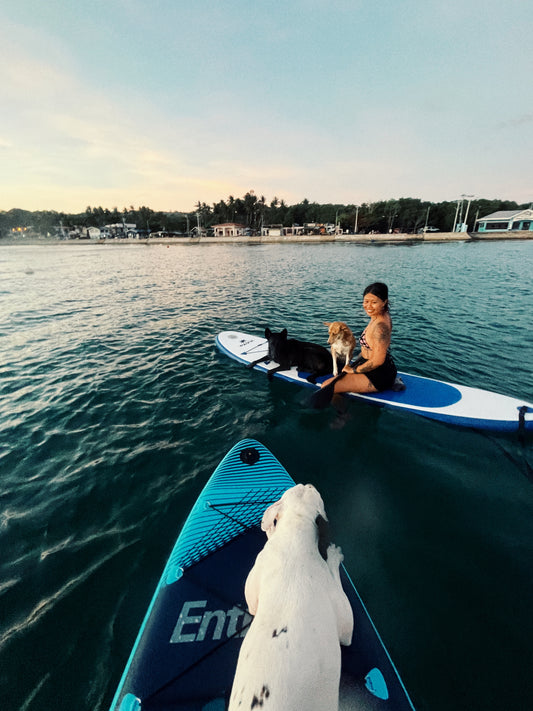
(229, 229)
(506, 220)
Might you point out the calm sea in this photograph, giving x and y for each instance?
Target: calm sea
(115, 407)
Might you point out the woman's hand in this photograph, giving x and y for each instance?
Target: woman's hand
(348, 369)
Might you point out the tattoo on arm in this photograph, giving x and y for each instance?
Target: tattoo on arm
(382, 332)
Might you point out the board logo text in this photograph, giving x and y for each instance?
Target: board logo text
(196, 624)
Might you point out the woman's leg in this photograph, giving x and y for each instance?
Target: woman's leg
(353, 383)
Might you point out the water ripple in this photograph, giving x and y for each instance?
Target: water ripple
(115, 407)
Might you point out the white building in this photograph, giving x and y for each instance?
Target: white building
(505, 220)
(272, 231)
(94, 233)
(229, 229)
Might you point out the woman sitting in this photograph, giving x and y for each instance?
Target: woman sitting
(374, 370)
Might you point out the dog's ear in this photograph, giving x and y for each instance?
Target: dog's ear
(323, 536)
(283, 334)
(270, 518)
(268, 333)
(327, 323)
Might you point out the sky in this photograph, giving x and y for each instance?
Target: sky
(165, 103)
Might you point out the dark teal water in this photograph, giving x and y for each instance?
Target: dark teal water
(115, 408)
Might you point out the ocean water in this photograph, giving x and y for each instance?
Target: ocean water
(115, 407)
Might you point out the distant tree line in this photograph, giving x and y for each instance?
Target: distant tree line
(404, 215)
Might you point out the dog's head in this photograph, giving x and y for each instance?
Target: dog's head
(302, 501)
(337, 330)
(276, 342)
(271, 336)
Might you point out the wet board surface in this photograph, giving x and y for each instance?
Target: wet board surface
(448, 402)
(186, 652)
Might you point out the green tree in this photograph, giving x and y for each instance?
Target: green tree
(145, 216)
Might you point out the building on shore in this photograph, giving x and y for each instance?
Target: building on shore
(294, 230)
(272, 231)
(310, 228)
(94, 233)
(229, 229)
(506, 220)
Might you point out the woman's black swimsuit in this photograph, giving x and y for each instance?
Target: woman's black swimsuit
(382, 377)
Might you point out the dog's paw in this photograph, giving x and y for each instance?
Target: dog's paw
(335, 556)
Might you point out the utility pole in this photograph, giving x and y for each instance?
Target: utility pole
(356, 218)
(467, 209)
(455, 218)
(477, 215)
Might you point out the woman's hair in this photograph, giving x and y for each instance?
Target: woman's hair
(380, 290)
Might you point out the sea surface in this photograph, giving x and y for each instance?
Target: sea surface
(115, 408)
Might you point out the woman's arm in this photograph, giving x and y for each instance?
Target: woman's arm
(355, 362)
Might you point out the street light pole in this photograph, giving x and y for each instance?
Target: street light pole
(455, 218)
(467, 209)
(427, 218)
(477, 215)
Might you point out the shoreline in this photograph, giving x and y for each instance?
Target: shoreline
(401, 238)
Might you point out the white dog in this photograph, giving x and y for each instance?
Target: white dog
(290, 659)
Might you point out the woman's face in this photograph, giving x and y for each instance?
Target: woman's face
(373, 305)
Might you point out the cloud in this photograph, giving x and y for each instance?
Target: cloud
(63, 138)
(516, 122)
(111, 114)
(66, 144)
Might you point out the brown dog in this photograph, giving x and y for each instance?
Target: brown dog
(342, 342)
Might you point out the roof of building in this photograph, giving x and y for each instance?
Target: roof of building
(506, 215)
(229, 224)
(502, 215)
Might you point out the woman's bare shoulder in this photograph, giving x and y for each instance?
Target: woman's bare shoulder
(382, 330)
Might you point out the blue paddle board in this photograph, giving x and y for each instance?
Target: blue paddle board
(185, 654)
(436, 399)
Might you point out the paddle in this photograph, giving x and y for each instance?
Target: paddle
(322, 398)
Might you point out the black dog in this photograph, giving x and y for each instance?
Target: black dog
(307, 357)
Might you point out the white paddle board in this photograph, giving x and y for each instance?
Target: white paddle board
(436, 399)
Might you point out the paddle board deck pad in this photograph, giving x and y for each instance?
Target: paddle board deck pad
(436, 399)
(186, 652)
